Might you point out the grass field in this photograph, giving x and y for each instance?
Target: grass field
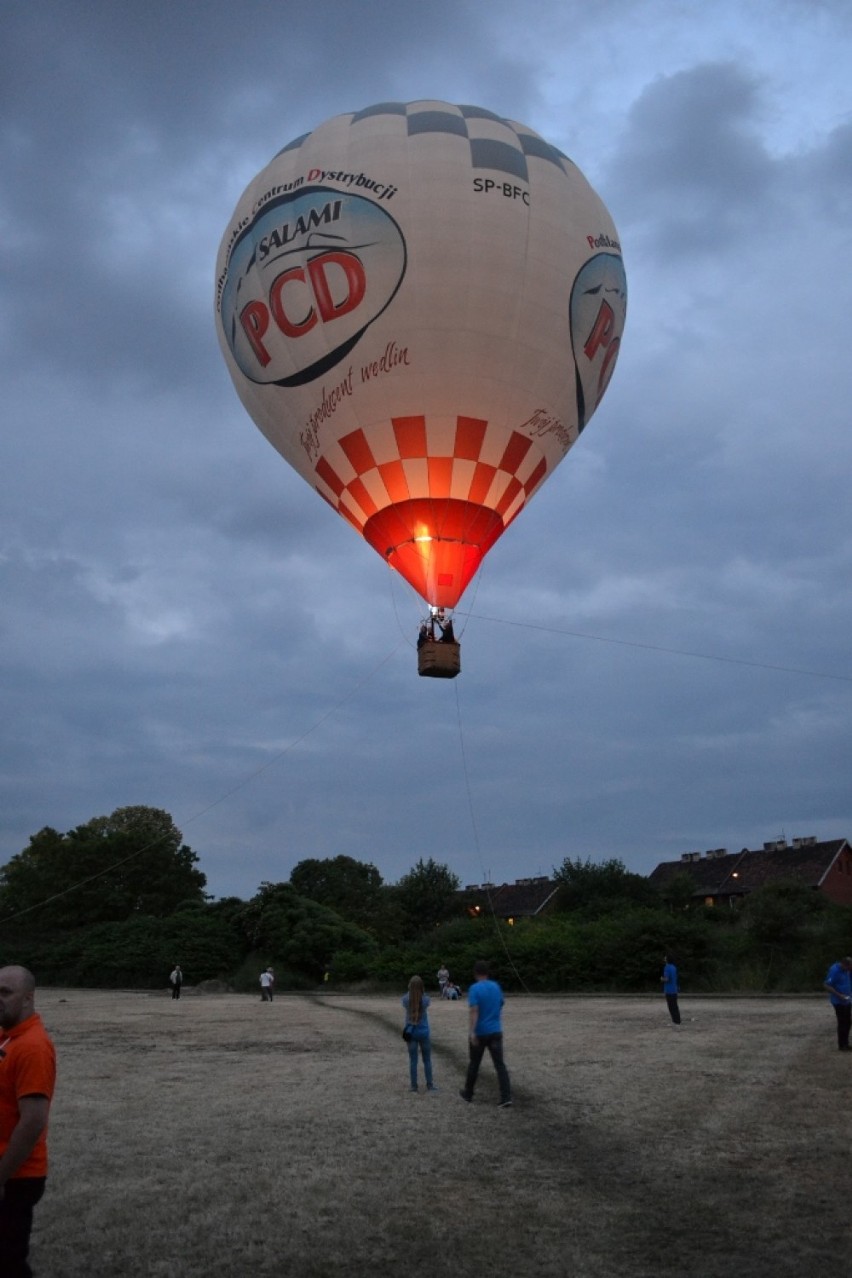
(222, 1136)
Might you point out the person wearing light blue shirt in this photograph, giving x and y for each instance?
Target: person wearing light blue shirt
(485, 1004)
(416, 1003)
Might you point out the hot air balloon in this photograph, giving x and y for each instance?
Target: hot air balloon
(421, 306)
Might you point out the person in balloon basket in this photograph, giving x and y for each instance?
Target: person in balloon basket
(416, 1032)
(838, 982)
(485, 1007)
(27, 1079)
(267, 985)
(445, 625)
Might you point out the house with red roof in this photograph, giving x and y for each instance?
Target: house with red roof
(723, 878)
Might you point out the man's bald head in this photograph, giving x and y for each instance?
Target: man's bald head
(17, 995)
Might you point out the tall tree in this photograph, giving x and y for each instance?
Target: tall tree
(600, 887)
(352, 888)
(301, 934)
(427, 895)
(132, 862)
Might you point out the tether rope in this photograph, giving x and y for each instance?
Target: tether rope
(655, 647)
(485, 878)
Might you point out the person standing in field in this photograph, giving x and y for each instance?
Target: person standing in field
(838, 982)
(670, 987)
(27, 1079)
(267, 983)
(416, 1003)
(485, 1004)
(443, 977)
(176, 980)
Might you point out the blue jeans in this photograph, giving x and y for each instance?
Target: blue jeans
(425, 1045)
(494, 1044)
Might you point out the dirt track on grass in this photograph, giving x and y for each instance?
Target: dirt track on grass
(219, 1135)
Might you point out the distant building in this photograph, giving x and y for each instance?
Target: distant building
(723, 878)
(523, 899)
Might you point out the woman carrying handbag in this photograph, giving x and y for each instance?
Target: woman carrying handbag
(416, 1031)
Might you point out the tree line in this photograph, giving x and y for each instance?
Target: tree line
(116, 902)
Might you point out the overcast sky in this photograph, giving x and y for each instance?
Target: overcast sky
(186, 625)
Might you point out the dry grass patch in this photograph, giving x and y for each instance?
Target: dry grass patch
(219, 1135)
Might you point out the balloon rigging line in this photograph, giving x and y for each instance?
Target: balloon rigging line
(332, 710)
(394, 576)
(476, 583)
(655, 647)
(495, 922)
(240, 785)
(7, 918)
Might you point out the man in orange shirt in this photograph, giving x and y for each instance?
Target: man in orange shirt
(27, 1078)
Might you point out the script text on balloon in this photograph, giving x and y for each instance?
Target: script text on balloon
(381, 190)
(329, 403)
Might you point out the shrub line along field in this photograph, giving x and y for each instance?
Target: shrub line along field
(216, 1134)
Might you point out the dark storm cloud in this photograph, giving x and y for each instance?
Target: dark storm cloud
(827, 172)
(691, 168)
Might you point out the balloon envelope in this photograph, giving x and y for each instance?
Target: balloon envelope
(421, 306)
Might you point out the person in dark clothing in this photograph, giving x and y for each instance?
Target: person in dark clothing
(176, 981)
(445, 625)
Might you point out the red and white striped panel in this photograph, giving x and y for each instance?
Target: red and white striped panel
(405, 458)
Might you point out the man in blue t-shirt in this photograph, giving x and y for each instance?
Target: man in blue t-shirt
(669, 980)
(838, 982)
(485, 1002)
